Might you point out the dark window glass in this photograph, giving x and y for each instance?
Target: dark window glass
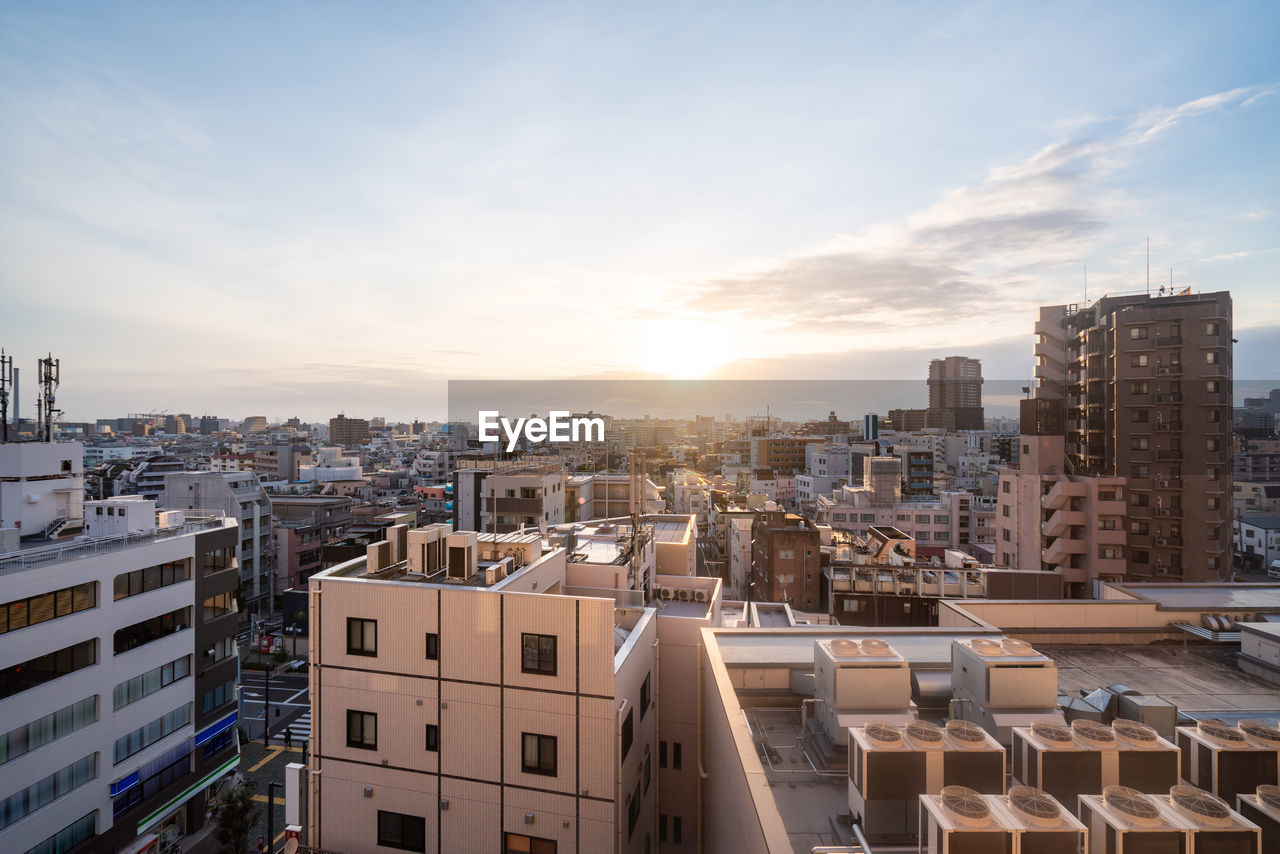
(406, 832)
(433, 737)
(362, 730)
(362, 637)
(628, 734)
(538, 754)
(433, 646)
(538, 654)
(46, 668)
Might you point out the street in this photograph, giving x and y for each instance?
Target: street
(290, 707)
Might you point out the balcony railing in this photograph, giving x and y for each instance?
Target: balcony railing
(43, 556)
(1169, 341)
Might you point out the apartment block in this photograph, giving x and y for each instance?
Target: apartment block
(786, 564)
(784, 454)
(955, 389)
(1146, 388)
(345, 431)
(239, 496)
(117, 675)
(468, 696)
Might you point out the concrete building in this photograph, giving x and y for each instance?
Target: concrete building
(786, 563)
(463, 704)
(254, 424)
(1145, 383)
(955, 388)
(1257, 497)
(954, 519)
(239, 496)
(1257, 460)
(1047, 519)
(784, 454)
(280, 462)
(117, 675)
(344, 431)
(1257, 541)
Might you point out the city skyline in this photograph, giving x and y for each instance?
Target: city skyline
(773, 193)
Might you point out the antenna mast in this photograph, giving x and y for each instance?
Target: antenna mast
(6, 379)
(49, 375)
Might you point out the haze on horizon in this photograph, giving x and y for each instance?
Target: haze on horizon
(305, 209)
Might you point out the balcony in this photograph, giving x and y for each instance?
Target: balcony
(1169, 398)
(1110, 537)
(1111, 508)
(1061, 550)
(1169, 455)
(1168, 542)
(1170, 427)
(1169, 512)
(1062, 521)
(1057, 497)
(1169, 341)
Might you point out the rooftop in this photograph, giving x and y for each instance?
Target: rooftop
(1192, 596)
(44, 553)
(1270, 521)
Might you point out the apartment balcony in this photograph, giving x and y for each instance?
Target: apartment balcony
(1169, 398)
(1062, 521)
(1109, 536)
(1105, 566)
(1169, 341)
(1111, 508)
(1167, 483)
(1169, 512)
(1168, 542)
(517, 506)
(1057, 497)
(1168, 370)
(1097, 423)
(1169, 427)
(1061, 550)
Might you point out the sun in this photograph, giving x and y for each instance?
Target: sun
(685, 349)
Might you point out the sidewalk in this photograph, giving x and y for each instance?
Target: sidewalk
(258, 765)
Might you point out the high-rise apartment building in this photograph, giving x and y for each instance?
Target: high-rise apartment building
(117, 668)
(955, 389)
(345, 431)
(239, 496)
(1144, 385)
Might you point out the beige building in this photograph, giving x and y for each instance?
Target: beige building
(1145, 388)
(474, 693)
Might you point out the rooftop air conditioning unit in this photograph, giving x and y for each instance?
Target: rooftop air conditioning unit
(1263, 809)
(1214, 827)
(1090, 756)
(1164, 372)
(700, 596)
(1229, 761)
(684, 595)
(960, 820)
(1004, 684)
(1126, 821)
(1042, 825)
(667, 593)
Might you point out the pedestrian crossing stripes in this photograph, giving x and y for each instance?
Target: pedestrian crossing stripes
(300, 728)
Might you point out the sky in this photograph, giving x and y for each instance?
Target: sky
(305, 208)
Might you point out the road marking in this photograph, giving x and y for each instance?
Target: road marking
(274, 753)
(297, 695)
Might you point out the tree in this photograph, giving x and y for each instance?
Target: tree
(237, 816)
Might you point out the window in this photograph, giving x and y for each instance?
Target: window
(1005, 486)
(146, 684)
(145, 736)
(648, 772)
(362, 730)
(1211, 386)
(786, 554)
(1212, 328)
(1138, 360)
(1004, 511)
(1139, 470)
(43, 792)
(433, 737)
(628, 733)
(518, 843)
(1136, 527)
(1212, 357)
(21, 613)
(1137, 333)
(51, 727)
(141, 634)
(538, 654)
(1212, 444)
(868, 517)
(151, 578)
(675, 755)
(1139, 416)
(1138, 443)
(662, 827)
(406, 832)
(676, 836)
(538, 754)
(1140, 556)
(218, 696)
(1108, 552)
(217, 560)
(71, 835)
(362, 636)
(37, 671)
(433, 646)
(644, 695)
(662, 745)
(633, 810)
(218, 605)
(1138, 388)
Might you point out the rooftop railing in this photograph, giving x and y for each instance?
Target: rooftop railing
(32, 558)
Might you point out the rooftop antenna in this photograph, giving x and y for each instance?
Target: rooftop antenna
(6, 378)
(48, 374)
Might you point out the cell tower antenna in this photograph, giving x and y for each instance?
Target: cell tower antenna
(48, 375)
(6, 379)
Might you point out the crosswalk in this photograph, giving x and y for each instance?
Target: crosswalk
(300, 727)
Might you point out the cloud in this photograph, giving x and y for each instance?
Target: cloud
(977, 245)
